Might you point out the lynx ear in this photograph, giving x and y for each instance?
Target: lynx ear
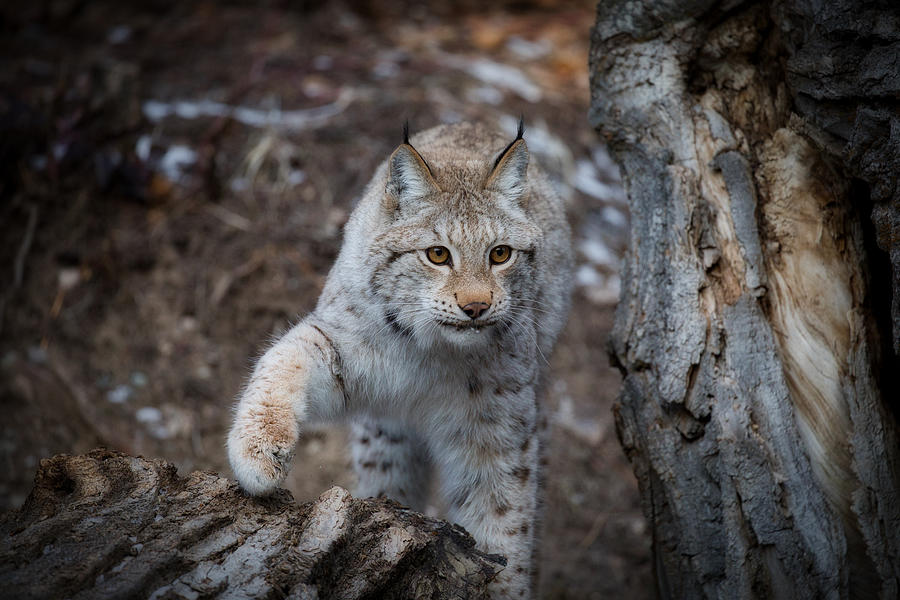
(508, 174)
(409, 176)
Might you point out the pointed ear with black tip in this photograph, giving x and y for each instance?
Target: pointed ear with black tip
(409, 176)
(508, 175)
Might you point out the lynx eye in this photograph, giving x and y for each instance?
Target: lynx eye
(500, 254)
(438, 255)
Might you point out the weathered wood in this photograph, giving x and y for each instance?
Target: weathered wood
(843, 76)
(109, 525)
(748, 331)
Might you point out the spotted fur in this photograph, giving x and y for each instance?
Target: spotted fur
(389, 346)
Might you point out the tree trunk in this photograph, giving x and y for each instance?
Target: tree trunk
(759, 142)
(108, 525)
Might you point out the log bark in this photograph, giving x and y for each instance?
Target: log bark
(109, 525)
(759, 151)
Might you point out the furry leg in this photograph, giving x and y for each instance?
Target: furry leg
(292, 383)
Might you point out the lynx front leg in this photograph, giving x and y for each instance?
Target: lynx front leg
(295, 381)
(391, 461)
(491, 485)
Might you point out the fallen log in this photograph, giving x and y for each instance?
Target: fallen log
(110, 525)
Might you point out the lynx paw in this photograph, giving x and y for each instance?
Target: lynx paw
(260, 456)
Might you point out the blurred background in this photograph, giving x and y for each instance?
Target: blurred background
(174, 178)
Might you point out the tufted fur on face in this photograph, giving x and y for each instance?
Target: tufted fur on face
(475, 212)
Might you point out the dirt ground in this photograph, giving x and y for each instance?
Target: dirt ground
(174, 177)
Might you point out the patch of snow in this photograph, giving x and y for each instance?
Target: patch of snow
(296, 177)
(499, 75)
(300, 119)
(587, 276)
(528, 50)
(153, 419)
(598, 287)
(119, 394)
(253, 117)
(605, 164)
(484, 94)
(175, 160)
(598, 253)
(613, 216)
(142, 148)
(155, 110)
(149, 414)
(586, 180)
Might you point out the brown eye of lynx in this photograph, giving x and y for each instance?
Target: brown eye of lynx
(438, 255)
(500, 254)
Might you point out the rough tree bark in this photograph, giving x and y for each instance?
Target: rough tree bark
(108, 525)
(759, 143)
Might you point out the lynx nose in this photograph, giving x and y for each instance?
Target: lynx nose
(473, 309)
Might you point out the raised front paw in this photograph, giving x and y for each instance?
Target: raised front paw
(260, 451)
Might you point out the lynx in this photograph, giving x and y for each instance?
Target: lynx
(432, 335)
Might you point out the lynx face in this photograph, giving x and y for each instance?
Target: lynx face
(456, 257)
(462, 279)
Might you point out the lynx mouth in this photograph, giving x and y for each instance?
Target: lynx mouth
(474, 326)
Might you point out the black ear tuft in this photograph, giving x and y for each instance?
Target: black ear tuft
(406, 141)
(519, 134)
